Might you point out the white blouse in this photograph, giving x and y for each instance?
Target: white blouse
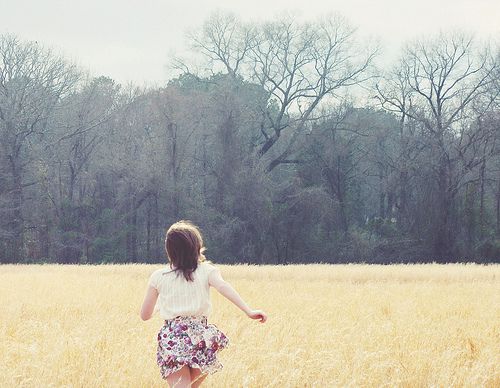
(179, 297)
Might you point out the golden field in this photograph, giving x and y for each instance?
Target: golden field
(329, 325)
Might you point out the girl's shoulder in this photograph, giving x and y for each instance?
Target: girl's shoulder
(155, 277)
(162, 271)
(207, 266)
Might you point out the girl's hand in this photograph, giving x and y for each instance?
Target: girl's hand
(257, 314)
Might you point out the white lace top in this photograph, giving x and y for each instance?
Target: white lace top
(179, 297)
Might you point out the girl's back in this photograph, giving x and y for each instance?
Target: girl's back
(180, 297)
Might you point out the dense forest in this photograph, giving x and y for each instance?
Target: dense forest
(284, 141)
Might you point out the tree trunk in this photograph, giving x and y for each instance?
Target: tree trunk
(481, 200)
(381, 203)
(403, 199)
(442, 240)
(497, 197)
(174, 170)
(390, 204)
(470, 221)
(341, 191)
(15, 223)
(148, 230)
(132, 230)
(158, 248)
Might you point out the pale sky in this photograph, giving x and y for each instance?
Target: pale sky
(133, 40)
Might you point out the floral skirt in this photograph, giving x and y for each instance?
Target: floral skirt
(189, 341)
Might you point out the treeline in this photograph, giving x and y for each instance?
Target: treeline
(292, 147)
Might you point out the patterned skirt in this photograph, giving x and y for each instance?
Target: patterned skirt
(189, 341)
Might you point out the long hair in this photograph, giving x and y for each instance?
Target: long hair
(184, 247)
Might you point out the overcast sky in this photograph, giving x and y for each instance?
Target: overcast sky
(134, 40)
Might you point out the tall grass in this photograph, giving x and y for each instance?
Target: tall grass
(329, 325)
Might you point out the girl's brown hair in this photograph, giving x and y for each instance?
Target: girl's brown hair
(184, 247)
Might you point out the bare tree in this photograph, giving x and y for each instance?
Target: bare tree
(32, 81)
(77, 131)
(298, 65)
(224, 39)
(436, 85)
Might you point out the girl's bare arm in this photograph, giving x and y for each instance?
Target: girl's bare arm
(148, 304)
(224, 288)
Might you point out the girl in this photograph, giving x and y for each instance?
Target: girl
(187, 344)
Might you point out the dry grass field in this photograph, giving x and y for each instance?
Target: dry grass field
(329, 326)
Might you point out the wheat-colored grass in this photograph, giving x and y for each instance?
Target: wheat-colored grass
(329, 325)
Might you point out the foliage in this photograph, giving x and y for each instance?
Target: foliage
(277, 157)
